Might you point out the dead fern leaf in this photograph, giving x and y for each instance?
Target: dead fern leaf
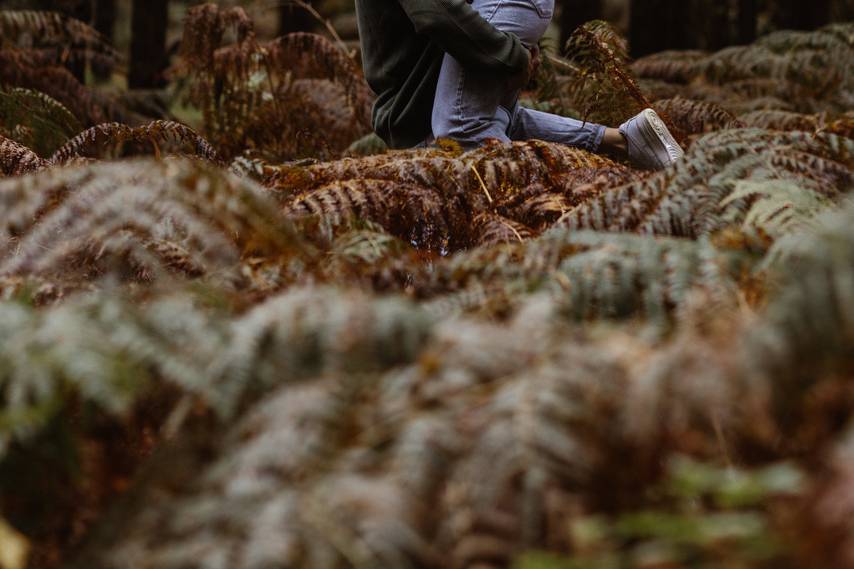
(114, 138)
(16, 159)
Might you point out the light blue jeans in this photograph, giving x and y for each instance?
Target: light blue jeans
(472, 105)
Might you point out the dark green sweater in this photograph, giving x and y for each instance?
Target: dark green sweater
(403, 43)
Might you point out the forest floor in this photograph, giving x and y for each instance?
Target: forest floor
(261, 339)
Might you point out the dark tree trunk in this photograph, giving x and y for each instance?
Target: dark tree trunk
(715, 24)
(800, 15)
(575, 13)
(658, 25)
(105, 23)
(293, 18)
(149, 21)
(105, 18)
(747, 20)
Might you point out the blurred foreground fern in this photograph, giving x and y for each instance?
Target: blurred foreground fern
(257, 348)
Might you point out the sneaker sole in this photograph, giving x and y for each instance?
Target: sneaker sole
(663, 134)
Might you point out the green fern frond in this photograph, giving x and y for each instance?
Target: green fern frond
(684, 200)
(36, 120)
(809, 328)
(44, 357)
(591, 275)
(780, 207)
(796, 71)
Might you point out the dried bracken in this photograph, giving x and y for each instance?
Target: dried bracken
(251, 93)
(257, 352)
(114, 138)
(16, 159)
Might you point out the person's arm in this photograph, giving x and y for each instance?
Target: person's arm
(458, 29)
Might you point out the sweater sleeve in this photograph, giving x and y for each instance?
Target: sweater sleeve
(458, 29)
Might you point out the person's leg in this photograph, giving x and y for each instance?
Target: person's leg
(472, 106)
(528, 123)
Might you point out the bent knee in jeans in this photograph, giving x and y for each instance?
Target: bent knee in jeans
(471, 105)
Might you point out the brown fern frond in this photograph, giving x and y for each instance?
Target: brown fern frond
(114, 139)
(501, 168)
(205, 27)
(248, 92)
(34, 29)
(538, 205)
(535, 206)
(120, 217)
(697, 117)
(409, 211)
(492, 229)
(16, 159)
(309, 56)
(496, 178)
(787, 120)
(294, 178)
(20, 69)
(602, 86)
(672, 66)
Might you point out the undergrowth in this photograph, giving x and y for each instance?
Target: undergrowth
(238, 345)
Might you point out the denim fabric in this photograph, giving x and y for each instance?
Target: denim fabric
(472, 106)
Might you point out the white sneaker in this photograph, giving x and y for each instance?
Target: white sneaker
(650, 144)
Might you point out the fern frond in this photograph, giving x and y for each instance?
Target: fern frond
(250, 93)
(808, 330)
(29, 28)
(368, 245)
(590, 275)
(672, 66)
(603, 87)
(305, 333)
(780, 207)
(492, 229)
(697, 117)
(25, 70)
(683, 200)
(781, 120)
(16, 159)
(114, 138)
(90, 218)
(123, 349)
(501, 168)
(807, 72)
(409, 211)
(430, 198)
(36, 120)
(787, 120)
(310, 56)
(357, 468)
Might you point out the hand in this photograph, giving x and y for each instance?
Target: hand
(519, 81)
(534, 62)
